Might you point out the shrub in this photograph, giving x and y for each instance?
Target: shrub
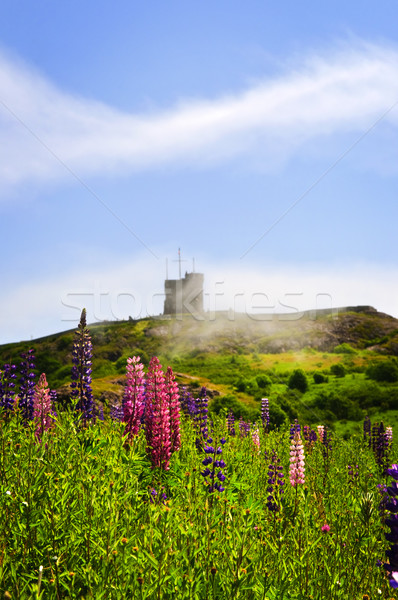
(320, 377)
(263, 381)
(344, 349)
(383, 371)
(338, 370)
(298, 381)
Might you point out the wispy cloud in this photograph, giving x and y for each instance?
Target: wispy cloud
(335, 93)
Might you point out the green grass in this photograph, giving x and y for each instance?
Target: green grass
(79, 506)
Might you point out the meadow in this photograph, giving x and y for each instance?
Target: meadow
(165, 497)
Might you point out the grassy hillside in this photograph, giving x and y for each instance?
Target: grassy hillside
(241, 359)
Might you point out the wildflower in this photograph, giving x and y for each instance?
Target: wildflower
(256, 439)
(201, 417)
(389, 435)
(265, 413)
(231, 423)
(43, 415)
(26, 385)
(7, 387)
(174, 409)
(392, 522)
(325, 528)
(297, 468)
(367, 431)
(213, 477)
(81, 371)
(133, 400)
(187, 402)
(275, 483)
(157, 417)
(321, 431)
(295, 428)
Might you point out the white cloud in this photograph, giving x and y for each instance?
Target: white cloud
(136, 289)
(345, 91)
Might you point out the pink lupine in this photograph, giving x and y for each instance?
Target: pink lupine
(157, 417)
(43, 415)
(297, 465)
(133, 401)
(389, 435)
(321, 432)
(174, 410)
(256, 439)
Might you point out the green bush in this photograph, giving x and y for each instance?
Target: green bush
(338, 370)
(383, 371)
(263, 381)
(344, 349)
(320, 377)
(298, 381)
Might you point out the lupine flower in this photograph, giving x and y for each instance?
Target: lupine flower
(297, 464)
(116, 412)
(380, 444)
(171, 390)
(392, 522)
(310, 437)
(294, 428)
(244, 428)
(231, 423)
(214, 476)
(7, 387)
(43, 415)
(321, 432)
(81, 371)
(133, 399)
(265, 413)
(275, 483)
(187, 402)
(389, 435)
(256, 439)
(200, 419)
(26, 385)
(157, 417)
(367, 431)
(326, 442)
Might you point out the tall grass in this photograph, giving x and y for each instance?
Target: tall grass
(84, 515)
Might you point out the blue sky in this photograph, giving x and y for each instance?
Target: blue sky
(261, 138)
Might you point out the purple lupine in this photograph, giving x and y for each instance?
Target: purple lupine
(116, 412)
(201, 418)
(294, 428)
(187, 402)
(26, 385)
(265, 413)
(310, 437)
(157, 417)
(380, 445)
(81, 371)
(276, 483)
(133, 399)
(367, 431)
(244, 428)
(173, 400)
(231, 423)
(214, 476)
(7, 388)
(43, 415)
(392, 522)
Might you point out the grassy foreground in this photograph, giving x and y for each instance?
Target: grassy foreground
(83, 515)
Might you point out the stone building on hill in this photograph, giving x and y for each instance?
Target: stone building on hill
(184, 295)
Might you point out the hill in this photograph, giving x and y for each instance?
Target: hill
(241, 358)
